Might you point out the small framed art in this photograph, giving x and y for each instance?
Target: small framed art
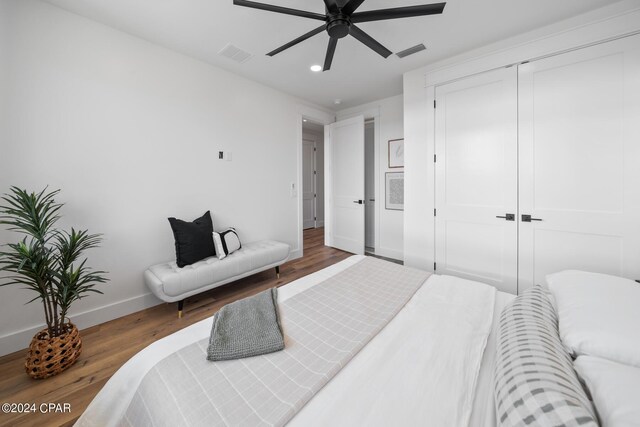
(396, 153)
(394, 191)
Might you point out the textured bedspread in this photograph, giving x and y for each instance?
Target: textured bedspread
(324, 327)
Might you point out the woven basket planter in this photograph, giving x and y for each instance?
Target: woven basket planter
(50, 356)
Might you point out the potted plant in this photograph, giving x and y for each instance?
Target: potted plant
(47, 261)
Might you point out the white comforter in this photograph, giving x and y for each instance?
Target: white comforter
(421, 369)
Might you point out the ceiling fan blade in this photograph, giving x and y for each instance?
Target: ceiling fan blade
(369, 41)
(351, 7)
(332, 6)
(330, 51)
(302, 38)
(398, 12)
(280, 9)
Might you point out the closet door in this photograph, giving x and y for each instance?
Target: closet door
(476, 178)
(579, 135)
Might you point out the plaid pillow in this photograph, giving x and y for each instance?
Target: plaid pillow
(535, 383)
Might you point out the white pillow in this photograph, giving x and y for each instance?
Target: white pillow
(614, 388)
(599, 315)
(226, 242)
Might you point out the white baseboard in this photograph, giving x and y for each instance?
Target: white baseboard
(295, 254)
(319, 224)
(389, 253)
(20, 340)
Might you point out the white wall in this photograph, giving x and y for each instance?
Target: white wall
(4, 41)
(418, 175)
(418, 89)
(389, 118)
(130, 132)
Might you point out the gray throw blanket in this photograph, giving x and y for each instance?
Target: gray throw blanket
(245, 328)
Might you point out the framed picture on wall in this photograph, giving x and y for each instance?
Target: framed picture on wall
(394, 191)
(396, 153)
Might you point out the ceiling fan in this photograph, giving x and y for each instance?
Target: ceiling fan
(340, 21)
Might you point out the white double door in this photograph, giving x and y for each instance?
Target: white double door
(477, 178)
(555, 143)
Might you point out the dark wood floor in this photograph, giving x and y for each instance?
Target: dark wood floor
(108, 346)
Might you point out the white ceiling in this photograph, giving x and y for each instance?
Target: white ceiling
(201, 28)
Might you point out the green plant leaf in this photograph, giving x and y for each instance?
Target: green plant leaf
(43, 261)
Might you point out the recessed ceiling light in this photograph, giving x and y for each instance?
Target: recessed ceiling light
(337, 101)
(316, 68)
(304, 120)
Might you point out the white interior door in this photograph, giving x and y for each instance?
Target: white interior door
(369, 186)
(579, 170)
(344, 185)
(308, 184)
(477, 179)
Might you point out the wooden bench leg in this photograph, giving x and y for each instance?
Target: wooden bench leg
(278, 271)
(180, 305)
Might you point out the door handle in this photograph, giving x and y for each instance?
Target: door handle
(527, 218)
(372, 200)
(360, 202)
(508, 217)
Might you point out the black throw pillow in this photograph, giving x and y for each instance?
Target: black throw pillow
(194, 240)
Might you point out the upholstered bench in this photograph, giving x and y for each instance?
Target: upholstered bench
(170, 283)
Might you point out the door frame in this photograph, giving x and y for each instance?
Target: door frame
(376, 178)
(314, 162)
(324, 118)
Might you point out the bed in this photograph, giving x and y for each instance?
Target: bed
(431, 364)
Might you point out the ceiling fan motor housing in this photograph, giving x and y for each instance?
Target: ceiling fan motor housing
(338, 26)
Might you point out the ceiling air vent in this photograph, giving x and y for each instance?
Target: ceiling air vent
(414, 49)
(235, 53)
